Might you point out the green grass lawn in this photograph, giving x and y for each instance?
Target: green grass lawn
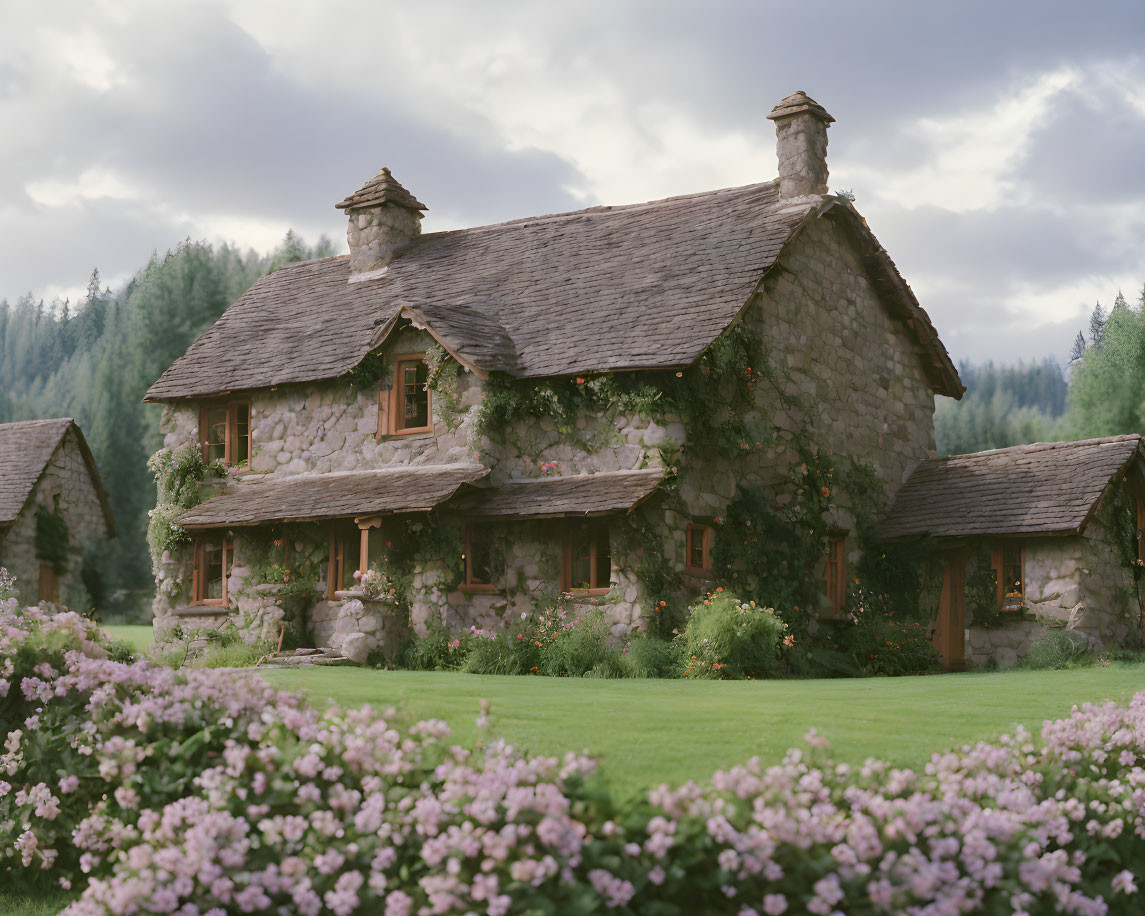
(646, 732)
(138, 636)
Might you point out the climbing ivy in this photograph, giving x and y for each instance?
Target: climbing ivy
(179, 477)
(369, 373)
(442, 380)
(53, 544)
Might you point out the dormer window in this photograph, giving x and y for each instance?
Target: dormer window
(409, 397)
(224, 433)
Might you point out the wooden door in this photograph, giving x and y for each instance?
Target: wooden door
(49, 584)
(949, 631)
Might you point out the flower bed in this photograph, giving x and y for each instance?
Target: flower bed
(156, 791)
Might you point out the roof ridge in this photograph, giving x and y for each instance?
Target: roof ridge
(37, 422)
(1043, 446)
(602, 209)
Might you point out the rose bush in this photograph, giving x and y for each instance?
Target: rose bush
(202, 793)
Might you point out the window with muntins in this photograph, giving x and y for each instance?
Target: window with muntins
(1009, 563)
(212, 567)
(701, 537)
(410, 409)
(224, 432)
(480, 566)
(587, 560)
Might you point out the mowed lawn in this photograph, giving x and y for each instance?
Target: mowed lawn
(646, 732)
(137, 635)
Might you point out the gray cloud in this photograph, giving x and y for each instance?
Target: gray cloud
(210, 127)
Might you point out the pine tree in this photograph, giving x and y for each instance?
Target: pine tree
(1097, 320)
(1120, 303)
(1078, 350)
(93, 287)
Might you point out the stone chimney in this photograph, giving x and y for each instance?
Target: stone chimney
(801, 144)
(384, 218)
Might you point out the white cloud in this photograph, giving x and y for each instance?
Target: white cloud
(85, 57)
(93, 184)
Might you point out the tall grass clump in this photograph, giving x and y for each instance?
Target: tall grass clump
(729, 638)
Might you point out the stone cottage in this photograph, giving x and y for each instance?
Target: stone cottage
(1036, 537)
(563, 405)
(53, 510)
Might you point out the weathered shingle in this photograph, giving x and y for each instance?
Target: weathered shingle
(609, 288)
(318, 496)
(1045, 488)
(586, 494)
(26, 448)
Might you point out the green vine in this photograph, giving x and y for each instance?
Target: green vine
(179, 478)
(53, 543)
(442, 380)
(369, 373)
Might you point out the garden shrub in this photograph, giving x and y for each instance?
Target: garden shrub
(146, 790)
(881, 641)
(1058, 649)
(729, 638)
(7, 586)
(649, 656)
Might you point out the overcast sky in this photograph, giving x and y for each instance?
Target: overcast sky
(996, 149)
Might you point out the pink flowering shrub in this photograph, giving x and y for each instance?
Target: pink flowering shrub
(210, 794)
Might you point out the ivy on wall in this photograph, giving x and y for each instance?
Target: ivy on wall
(179, 477)
(53, 542)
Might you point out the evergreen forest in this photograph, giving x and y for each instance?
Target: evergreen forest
(94, 360)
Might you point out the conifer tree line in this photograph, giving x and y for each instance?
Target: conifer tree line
(95, 359)
(1101, 392)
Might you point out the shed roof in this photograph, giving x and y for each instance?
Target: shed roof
(337, 495)
(26, 447)
(1044, 488)
(646, 286)
(580, 495)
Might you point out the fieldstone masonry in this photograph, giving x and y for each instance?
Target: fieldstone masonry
(66, 477)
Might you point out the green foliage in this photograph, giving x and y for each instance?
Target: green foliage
(439, 650)
(1058, 649)
(53, 544)
(880, 641)
(179, 478)
(444, 371)
(1002, 406)
(95, 359)
(7, 586)
(732, 639)
(982, 591)
(369, 373)
(650, 656)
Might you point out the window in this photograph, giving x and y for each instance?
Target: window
(587, 567)
(224, 431)
(345, 555)
(1009, 563)
(212, 567)
(49, 584)
(480, 560)
(699, 548)
(409, 398)
(833, 573)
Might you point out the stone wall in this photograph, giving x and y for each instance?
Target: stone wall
(67, 476)
(826, 329)
(1078, 583)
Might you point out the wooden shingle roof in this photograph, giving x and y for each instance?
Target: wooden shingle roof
(339, 495)
(580, 495)
(383, 188)
(647, 286)
(1045, 488)
(26, 447)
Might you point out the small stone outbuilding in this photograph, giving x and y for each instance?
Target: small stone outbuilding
(1034, 537)
(53, 510)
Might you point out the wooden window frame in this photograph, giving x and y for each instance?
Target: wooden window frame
(230, 436)
(566, 566)
(708, 533)
(997, 563)
(835, 579)
(395, 400)
(468, 584)
(199, 571)
(337, 561)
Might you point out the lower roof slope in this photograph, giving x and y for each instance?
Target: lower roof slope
(338, 495)
(547, 497)
(644, 286)
(1044, 488)
(26, 447)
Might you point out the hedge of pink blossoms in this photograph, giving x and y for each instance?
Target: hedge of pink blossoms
(214, 795)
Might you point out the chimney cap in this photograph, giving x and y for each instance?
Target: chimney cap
(383, 188)
(797, 103)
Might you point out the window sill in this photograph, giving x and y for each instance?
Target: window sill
(695, 571)
(478, 588)
(586, 592)
(420, 431)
